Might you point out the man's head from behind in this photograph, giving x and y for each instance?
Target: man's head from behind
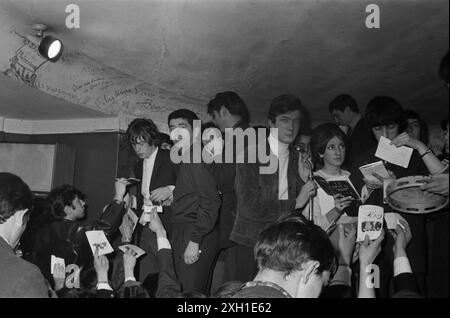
(298, 254)
(286, 115)
(343, 109)
(227, 107)
(16, 201)
(66, 202)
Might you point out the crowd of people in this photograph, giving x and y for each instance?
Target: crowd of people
(251, 200)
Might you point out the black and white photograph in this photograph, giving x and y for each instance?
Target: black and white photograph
(221, 149)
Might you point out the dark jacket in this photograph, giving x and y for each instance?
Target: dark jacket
(257, 198)
(196, 199)
(19, 278)
(405, 286)
(225, 174)
(67, 239)
(359, 140)
(417, 250)
(257, 289)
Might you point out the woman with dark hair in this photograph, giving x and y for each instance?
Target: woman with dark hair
(328, 148)
(386, 118)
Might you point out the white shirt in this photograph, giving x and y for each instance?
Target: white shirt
(281, 150)
(147, 171)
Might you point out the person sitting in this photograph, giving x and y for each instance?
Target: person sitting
(295, 260)
(417, 127)
(66, 238)
(18, 278)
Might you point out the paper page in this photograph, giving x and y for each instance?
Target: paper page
(99, 243)
(392, 219)
(56, 260)
(139, 251)
(369, 171)
(399, 156)
(370, 222)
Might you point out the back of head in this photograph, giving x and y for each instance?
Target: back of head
(183, 113)
(15, 195)
(132, 289)
(384, 111)
(320, 137)
(227, 290)
(340, 102)
(60, 197)
(232, 102)
(443, 68)
(145, 129)
(287, 245)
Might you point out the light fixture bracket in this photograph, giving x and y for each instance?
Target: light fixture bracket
(40, 29)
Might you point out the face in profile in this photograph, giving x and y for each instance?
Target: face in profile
(287, 126)
(218, 118)
(388, 131)
(77, 210)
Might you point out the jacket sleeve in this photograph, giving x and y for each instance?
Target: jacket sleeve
(32, 284)
(208, 209)
(109, 222)
(168, 284)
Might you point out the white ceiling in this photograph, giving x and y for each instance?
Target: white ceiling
(315, 49)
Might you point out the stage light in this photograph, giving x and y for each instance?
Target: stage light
(51, 48)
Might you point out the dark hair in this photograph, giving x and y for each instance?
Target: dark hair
(145, 129)
(340, 102)
(287, 103)
(59, 197)
(384, 111)
(287, 245)
(443, 68)
(227, 290)
(191, 294)
(424, 132)
(165, 138)
(15, 195)
(320, 137)
(186, 114)
(232, 102)
(77, 293)
(132, 290)
(444, 124)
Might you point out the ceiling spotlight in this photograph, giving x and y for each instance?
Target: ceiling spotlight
(50, 47)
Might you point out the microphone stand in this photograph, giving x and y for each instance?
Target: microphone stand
(311, 214)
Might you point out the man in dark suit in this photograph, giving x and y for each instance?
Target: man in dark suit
(267, 190)
(346, 113)
(18, 278)
(196, 206)
(157, 174)
(228, 110)
(65, 237)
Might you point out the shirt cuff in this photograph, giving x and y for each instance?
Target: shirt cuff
(163, 243)
(130, 278)
(104, 286)
(401, 265)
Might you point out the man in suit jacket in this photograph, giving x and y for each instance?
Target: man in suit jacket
(66, 237)
(346, 113)
(263, 196)
(18, 278)
(228, 110)
(157, 174)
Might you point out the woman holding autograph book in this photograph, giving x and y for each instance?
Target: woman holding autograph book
(328, 148)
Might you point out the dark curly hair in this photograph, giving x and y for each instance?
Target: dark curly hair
(15, 195)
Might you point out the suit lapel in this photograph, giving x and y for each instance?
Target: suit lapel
(156, 168)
